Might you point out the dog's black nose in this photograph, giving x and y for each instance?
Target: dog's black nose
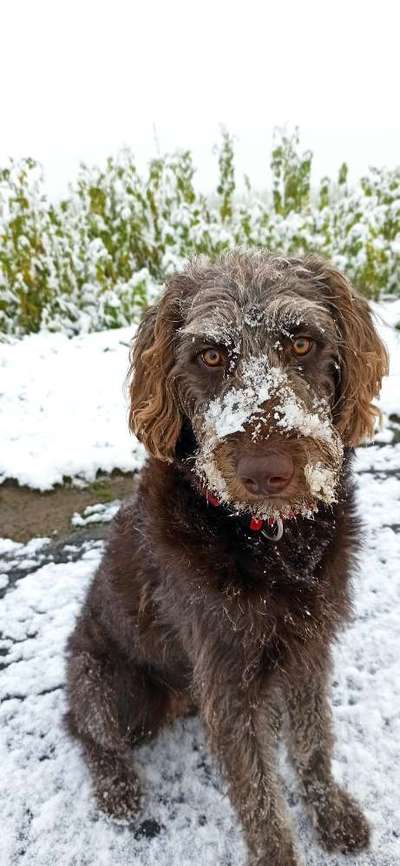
(266, 474)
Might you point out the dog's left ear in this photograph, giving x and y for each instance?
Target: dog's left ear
(154, 414)
(363, 358)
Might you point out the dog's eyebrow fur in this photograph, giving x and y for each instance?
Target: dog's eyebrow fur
(215, 315)
(214, 330)
(287, 312)
(225, 322)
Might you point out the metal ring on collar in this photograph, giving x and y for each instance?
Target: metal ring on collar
(274, 535)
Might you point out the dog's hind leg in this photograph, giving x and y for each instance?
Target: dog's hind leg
(113, 705)
(339, 820)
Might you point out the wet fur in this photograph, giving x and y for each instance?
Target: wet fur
(189, 611)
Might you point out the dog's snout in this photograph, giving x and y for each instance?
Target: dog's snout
(267, 474)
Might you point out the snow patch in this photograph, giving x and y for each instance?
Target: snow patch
(99, 513)
(46, 799)
(62, 408)
(63, 411)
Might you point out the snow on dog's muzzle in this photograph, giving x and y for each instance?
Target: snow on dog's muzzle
(265, 407)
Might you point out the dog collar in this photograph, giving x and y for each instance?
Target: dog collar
(271, 528)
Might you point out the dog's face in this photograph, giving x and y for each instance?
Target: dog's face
(255, 370)
(274, 362)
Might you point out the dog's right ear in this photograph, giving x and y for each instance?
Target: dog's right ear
(362, 357)
(154, 414)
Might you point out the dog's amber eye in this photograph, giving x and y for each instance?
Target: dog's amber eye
(302, 345)
(213, 358)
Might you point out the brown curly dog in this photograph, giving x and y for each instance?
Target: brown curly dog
(226, 579)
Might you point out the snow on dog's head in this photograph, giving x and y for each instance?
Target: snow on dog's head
(257, 370)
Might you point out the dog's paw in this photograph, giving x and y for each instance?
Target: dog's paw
(280, 854)
(340, 823)
(119, 799)
(266, 860)
(280, 861)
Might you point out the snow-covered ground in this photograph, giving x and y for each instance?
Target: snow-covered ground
(63, 410)
(48, 814)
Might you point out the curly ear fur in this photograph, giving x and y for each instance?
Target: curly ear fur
(362, 356)
(154, 414)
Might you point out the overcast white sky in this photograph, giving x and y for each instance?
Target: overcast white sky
(81, 79)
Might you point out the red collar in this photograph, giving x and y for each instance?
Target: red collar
(256, 524)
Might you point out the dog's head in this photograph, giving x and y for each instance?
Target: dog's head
(274, 362)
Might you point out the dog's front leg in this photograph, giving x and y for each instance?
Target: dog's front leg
(338, 818)
(242, 734)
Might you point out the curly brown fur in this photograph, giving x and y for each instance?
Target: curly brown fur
(191, 611)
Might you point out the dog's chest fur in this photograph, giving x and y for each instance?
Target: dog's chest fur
(268, 604)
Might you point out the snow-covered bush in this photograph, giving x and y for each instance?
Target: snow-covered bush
(95, 259)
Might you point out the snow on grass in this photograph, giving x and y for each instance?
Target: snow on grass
(99, 513)
(47, 811)
(387, 317)
(63, 412)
